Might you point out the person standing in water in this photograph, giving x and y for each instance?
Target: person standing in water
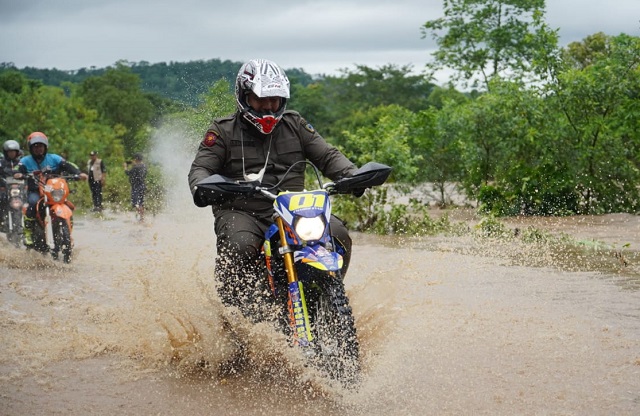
(137, 178)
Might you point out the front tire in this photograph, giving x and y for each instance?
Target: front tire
(15, 234)
(62, 241)
(39, 240)
(333, 327)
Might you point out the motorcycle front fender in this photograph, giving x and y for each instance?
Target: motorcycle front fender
(319, 257)
(61, 211)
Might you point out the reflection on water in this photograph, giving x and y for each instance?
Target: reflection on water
(448, 325)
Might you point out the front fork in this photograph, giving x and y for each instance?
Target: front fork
(297, 305)
(48, 227)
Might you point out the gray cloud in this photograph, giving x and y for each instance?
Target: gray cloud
(577, 19)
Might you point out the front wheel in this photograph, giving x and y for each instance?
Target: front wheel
(62, 240)
(14, 235)
(333, 327)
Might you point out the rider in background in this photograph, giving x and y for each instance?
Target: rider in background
(8, 167)
(40, 160)
(261, 141)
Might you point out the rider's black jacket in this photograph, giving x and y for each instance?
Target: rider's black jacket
(231, 148)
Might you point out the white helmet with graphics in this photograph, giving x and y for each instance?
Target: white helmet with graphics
(265, 79)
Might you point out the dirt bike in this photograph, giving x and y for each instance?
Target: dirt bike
(16, 197)
(303, 266)
(54, 215)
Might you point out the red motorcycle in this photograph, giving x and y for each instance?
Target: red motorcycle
(54, 215)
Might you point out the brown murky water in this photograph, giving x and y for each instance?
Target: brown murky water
(448, 326)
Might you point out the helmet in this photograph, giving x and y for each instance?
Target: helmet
(10, 145)
(37, 137)
(265, 79)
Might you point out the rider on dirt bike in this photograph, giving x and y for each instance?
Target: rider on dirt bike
(8, 167)
(40, 160)
(260, 142)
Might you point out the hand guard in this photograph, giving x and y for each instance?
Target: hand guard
(204, 197)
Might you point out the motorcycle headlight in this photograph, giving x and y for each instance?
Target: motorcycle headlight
(15, 203)
(57, 194)
(310, 228)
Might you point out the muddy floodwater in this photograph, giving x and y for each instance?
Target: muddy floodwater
(448, 326)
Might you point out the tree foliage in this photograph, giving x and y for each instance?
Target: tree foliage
(598, 95)
(73, 130)
(481, 39)
(120, 102)
(336, 104)
(387, 140)
(570, 148)
(184, 83)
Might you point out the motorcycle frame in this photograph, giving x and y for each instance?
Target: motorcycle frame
(53, 209)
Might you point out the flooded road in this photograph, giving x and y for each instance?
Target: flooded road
(448, 326)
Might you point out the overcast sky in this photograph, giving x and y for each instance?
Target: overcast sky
(319, 36)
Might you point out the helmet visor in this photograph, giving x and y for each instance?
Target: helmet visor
(38, 139)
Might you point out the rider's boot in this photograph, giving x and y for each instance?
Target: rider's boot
(29, 224)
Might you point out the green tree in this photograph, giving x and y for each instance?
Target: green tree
(120, 102)
(598, 94)
(533, 174)
(481, 39)
(337, 104)
(440, 147)
(73, 129)
(502, 140)
(312, 102)
(386, 140)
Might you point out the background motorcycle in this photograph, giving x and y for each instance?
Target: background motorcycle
(16, 196)
(54, 216)
(303, 265)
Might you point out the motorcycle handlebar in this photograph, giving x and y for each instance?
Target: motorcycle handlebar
(48, 175)
(216, 188)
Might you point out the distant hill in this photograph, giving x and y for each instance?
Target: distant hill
(179, 81)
